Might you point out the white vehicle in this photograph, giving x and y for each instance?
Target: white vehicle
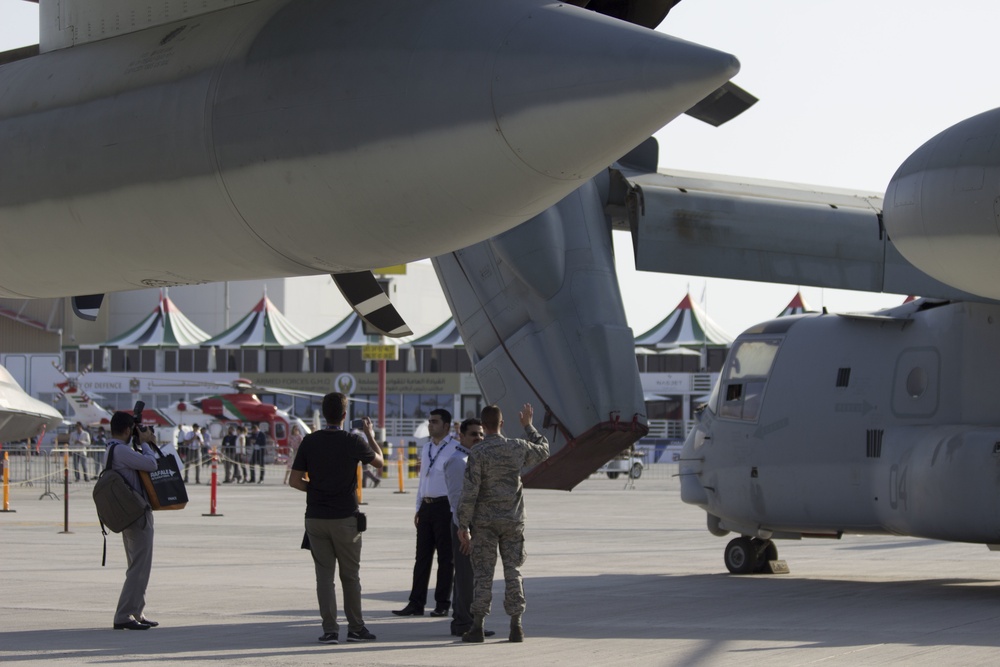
(628, 462)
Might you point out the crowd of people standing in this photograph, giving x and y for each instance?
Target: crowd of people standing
(242, 452)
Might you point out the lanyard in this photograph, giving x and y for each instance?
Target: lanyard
(432, 457)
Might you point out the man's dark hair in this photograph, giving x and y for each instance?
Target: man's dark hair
(492, 417)
(443, 414)
(334, 407)
(121, 424)
(472, 421)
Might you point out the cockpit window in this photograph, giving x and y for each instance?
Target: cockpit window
(742, 383)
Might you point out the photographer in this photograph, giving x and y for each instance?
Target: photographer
(138, 538)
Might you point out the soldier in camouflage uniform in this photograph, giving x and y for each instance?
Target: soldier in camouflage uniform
(492, 506)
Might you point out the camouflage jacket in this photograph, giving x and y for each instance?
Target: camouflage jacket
(492, 487)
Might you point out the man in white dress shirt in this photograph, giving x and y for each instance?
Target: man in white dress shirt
(433, 520)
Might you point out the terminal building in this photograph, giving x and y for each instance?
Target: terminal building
(299, 335)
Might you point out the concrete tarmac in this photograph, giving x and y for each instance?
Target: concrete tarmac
(614, 576)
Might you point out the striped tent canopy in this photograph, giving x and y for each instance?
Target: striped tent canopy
(264, 326)
(797, 306)
(349, 332)
(687, 326)
(165, 327)
(445, 336)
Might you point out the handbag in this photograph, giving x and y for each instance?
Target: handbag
(164, 486)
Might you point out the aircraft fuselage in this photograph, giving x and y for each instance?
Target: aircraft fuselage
(825, 424)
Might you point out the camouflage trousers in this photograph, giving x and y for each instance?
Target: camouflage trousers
(487, 538)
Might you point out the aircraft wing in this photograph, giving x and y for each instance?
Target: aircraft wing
(746, 229)
(65, 24)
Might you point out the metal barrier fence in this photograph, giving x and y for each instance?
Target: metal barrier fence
(45, 470)
(30, 468)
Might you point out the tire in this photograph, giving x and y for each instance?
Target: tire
(636, 471)
(612, 475)
(740, 556)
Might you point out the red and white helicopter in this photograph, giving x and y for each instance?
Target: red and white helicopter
(215, 411)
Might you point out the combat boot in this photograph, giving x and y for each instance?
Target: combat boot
(516, 631)
(475, 635)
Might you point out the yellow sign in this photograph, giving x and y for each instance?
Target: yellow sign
(397, 270)
(379, 352)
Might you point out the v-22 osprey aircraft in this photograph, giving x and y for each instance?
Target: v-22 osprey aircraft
(878, 423)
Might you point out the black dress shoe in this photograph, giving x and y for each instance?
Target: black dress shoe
(409, 610)
(440, 611)
(131, 625)
(148, 622)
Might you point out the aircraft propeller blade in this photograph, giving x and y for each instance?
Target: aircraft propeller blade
(722, 105)
(86, 307)
(371, 303)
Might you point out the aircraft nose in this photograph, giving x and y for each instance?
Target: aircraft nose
(573, 91)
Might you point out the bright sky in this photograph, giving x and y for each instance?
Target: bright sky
(848, 89)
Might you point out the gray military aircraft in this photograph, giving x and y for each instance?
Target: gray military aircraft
(184, 143)
(866, 423)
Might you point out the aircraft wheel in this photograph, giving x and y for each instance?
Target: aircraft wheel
(636, 471)
(741, 556)
(612, 475)
(766, 551)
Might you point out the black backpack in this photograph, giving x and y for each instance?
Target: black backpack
(118, 504)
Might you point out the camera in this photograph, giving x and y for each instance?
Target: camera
(358, 424)
(137, 416)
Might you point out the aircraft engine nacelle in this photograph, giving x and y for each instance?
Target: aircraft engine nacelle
(941, 482)
(300, 137)
(942, 207)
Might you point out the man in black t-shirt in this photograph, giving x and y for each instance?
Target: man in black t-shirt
(330, 458)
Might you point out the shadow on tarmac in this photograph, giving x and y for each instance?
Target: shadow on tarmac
(832, 613)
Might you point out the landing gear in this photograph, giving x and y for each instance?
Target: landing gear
(746, 555)
(766, 552)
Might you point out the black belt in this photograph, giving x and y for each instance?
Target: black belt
(439, 499)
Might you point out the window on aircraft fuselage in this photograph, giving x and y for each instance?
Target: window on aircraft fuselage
(744, 378)
(732, 404)
(752, 399)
